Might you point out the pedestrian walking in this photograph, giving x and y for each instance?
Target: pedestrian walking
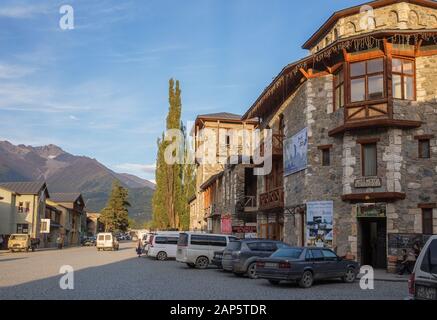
(417, 249)
(139, 248)
(1, 241)
(60, 241)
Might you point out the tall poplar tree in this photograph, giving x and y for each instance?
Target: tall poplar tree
(170, 208)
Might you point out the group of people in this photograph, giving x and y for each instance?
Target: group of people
(408, 259)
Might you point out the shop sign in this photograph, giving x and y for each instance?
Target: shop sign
(368, 183)
(374, 210)
(244, 229)
(45, 226)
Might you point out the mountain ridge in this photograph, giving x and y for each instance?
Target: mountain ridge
(65, 172)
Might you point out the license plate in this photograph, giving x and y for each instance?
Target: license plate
(426, 293)
(271, 265)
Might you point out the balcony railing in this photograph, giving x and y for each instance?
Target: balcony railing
(273, 199)
(250, 204)
(277, 145)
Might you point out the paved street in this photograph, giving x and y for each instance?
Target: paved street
(122, 275)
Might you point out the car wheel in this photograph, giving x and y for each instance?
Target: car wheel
(274, 282)
(202, 262)
(251, 271)
(350, 276)
(307, 280)
(191, 265)
(161, 256)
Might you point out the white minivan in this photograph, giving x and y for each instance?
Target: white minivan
(197, 249)
(163, 246)
(107, 241)
(423, 280)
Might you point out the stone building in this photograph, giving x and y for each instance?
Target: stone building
(217, 140)
(358, 117)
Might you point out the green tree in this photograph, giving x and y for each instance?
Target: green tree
(169, 204)
(115, 216)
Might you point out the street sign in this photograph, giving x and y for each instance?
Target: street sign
(374, 210)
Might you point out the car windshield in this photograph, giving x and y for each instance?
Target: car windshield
(287, 253)
(429, 263)
(234, 246)
(19, 237)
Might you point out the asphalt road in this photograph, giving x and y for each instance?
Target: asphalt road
(122, 275)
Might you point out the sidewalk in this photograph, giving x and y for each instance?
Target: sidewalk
(42, 249)
(383, 275)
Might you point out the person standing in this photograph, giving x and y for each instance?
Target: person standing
(1, 241)
(60, 241)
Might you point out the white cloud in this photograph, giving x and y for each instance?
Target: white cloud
(74, 118)
(8, 71)
(23, 11)
(136, 167)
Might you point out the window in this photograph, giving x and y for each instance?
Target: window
(23, 228)
(317, 255)
(20, 207)
(338, 90)
(427, 221)
(429, 262)
(369, 160)
(424, 149)
(329, 255)
(326, 157)
(367, 80)
(403, 79)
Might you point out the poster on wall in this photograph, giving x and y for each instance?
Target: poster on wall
(226, 225)
(319, 223)
(295, 153)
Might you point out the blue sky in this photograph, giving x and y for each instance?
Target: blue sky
(100, 90)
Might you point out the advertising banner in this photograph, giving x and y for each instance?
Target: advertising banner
(319, 223)
(295, 153)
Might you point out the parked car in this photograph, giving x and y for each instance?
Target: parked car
(107, 241)
(217, 259)
(240, 256)
(22, 242)
(163, 246)
(305, 265)
(89, 241)
(197, 249)
(423, 280)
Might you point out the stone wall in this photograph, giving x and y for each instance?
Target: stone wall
(399, 16)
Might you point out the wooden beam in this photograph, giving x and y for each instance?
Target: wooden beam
(417, 47)
(374, 196)
(305, 74)
(346, 55)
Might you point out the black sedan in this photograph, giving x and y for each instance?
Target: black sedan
(305, 265)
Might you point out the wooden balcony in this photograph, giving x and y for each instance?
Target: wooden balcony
(273, 199)
(250, 204)
(277, 145)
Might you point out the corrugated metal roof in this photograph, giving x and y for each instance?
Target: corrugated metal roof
(65, 197)
(221, 115)
(31, 187)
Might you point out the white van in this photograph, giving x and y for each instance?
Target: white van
(423, 280)
(107, 241)
(163, 246)
(197, 249)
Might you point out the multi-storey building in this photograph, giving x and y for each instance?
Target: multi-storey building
(218, 137)
(358, 118)
(22, 206)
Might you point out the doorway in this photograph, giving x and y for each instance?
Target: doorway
(374, 242)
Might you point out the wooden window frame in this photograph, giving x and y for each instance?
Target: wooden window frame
(338, 86)
(403, 75)
(425, 221)
(323, 149)
(420, 149)
(366, 76)
(365, 143)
